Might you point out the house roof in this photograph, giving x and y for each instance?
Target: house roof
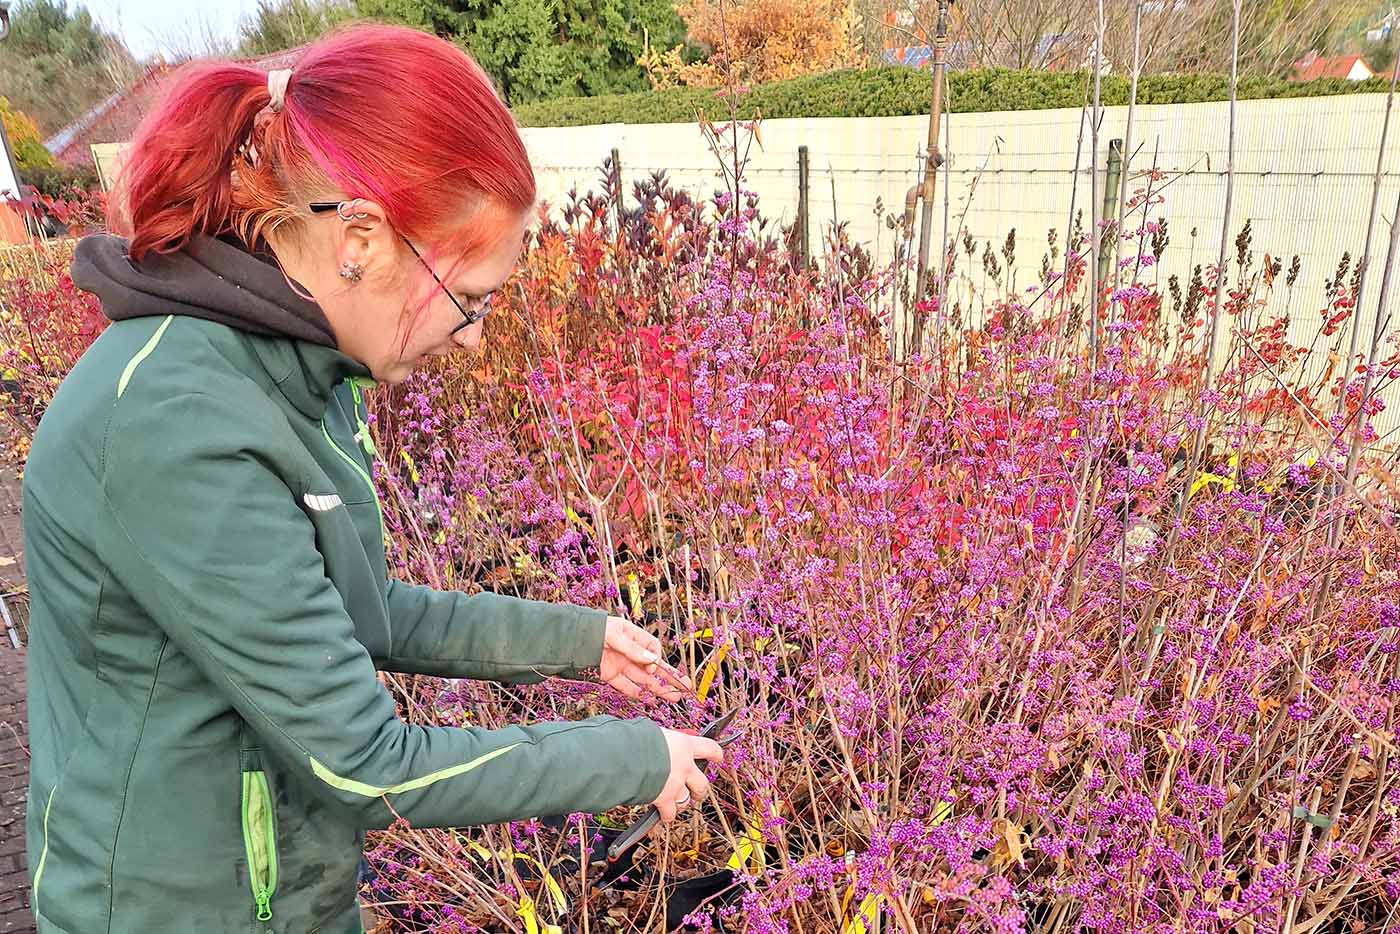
(115, 119)
(1312, 67)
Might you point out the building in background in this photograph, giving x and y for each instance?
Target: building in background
(98, 139)
(1382, 30)
(1313, 66)
(12, 229)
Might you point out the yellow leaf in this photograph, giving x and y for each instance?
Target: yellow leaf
(749, 852)
(711, 670)
(944, 810)
(475, 849)
(1367, 564)
(1226, 483)
(634, 595)
(702, 634)
(532, 924)
(412, 470)
(556, 894)
(866, 920)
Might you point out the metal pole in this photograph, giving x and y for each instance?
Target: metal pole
(803, 204)
(933, 161)
(10, 629)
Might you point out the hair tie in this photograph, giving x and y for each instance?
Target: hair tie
(277, 87)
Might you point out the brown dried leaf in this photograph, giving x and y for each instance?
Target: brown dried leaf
(1012, 841)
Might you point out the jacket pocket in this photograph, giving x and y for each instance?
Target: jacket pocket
(260, 840)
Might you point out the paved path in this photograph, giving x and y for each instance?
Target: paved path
(11, 545)
(14, 755)
(14, 786)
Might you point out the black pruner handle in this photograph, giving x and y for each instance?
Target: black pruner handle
(634, 833)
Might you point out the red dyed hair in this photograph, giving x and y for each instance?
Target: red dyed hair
(378, 112)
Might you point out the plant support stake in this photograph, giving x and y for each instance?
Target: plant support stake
(803, 204)
(617, 178)
(931, 164)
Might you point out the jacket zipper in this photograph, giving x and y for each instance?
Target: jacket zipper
(362, 435)
(260, 841)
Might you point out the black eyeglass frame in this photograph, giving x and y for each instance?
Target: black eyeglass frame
(468, 318)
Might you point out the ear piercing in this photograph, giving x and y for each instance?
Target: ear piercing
(352, 271)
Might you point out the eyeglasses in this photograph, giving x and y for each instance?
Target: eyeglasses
(469, 318)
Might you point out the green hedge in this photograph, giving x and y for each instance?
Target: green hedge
(898, 91)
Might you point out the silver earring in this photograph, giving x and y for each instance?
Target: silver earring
(345, 210)
(352, 271)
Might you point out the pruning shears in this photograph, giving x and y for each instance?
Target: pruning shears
(640, 827)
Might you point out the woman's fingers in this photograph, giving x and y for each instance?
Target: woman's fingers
(686, 781)
(706, 748)
(671, 688)
(642, 649)
(646, 647)
(628, 686)
(673, 678)
(664, 682)
(698, 786)
(666, 804)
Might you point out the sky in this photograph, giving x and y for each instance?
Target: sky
(152, 26)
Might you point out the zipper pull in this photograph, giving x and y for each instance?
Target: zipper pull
(362, 437)
(264, 901)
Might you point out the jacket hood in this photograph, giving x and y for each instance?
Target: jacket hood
(211, 277)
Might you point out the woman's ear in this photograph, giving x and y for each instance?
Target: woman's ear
(365, 239)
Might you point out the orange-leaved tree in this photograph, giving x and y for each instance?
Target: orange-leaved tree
(764, 40)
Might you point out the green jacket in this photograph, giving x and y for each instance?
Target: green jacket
(209, 606)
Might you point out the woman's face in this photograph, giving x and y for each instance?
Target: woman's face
(395, 318)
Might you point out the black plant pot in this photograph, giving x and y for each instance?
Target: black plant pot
(713, 891)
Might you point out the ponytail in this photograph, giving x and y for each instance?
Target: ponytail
(178, 177)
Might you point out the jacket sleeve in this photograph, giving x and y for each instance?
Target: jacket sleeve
(203, 532)
(489, 636)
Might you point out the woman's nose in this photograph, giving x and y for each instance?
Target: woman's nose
(469, 338)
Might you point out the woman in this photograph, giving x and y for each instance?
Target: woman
(204, 546)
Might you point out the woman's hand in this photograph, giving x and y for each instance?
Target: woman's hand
(633, 665)
(687, 784)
